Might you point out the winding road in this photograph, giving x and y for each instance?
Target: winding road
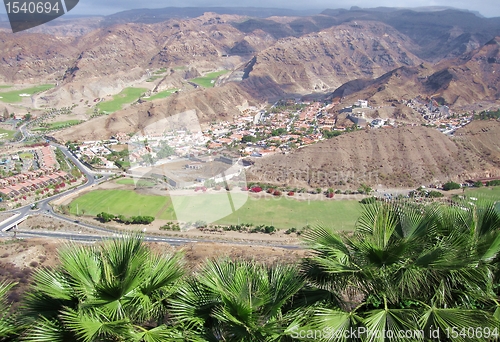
(9, 229)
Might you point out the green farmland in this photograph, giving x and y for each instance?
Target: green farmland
(208, 81)
(14, 96)
(282, 212)
(161, 95)
(127, 95)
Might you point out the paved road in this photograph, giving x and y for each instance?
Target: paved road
(44, 205)
(45, 208)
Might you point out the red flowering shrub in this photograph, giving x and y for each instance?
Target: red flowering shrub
(256, 189)
(291, 193)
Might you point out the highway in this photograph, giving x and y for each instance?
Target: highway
(45, 208)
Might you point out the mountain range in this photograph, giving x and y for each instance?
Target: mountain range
(383, 55)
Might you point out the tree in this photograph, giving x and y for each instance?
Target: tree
(117, 291)
(478, 184)
(148, 159)
(406, 267)
(451, 186)
(238, 301)
(165, 151)
(105, 217)
(365, 189)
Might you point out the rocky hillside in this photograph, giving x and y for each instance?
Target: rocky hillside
(401, 157)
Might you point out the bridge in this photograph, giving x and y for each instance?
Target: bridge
(12, 222)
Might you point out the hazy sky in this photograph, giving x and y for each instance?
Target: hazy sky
(488, 8)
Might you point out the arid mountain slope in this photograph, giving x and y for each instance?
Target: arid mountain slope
(481, 138)
(324, 60)
(459, 82)
(405, 156)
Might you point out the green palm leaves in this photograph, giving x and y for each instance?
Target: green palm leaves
(238, 301)
(411, 268)
(8, 327)
(109, 292)
(408, 272)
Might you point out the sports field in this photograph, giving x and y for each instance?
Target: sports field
(492, 192)
(6, 134)
(127, 95)
(282, 212)
(286, 213)
(161, 95)
(129, 181)
(208, 80)
(15, 95)
(122, 202)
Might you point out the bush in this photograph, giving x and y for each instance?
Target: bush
(435, 194)
(277, 193)
(478, 184)
(493, 183)
(171, 226)
(105, 217)
(451, 186)
(256, 189)
(291, 193)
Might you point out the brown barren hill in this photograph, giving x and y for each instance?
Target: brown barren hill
(481, 138)
(392, 157)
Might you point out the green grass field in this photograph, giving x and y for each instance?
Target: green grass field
(160, 71)
(127, 95)
(26, 155)
(206, 81)
(282, 213)
(13, 96)
(6, 134)
(5, 86)
(120, 202)
(492, 193)
(57, 125)
(153, 78)
(129, 181)
(161, 95)
(287, 213)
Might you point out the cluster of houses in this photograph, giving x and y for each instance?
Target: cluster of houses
(278, 131)
(438, 115)
(269, 133)
(27, 182)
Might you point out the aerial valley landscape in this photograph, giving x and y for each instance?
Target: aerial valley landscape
(251, 174)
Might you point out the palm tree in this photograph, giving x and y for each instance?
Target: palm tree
(9, 327)
(238, 301)
(117, 291)
(406, 268)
